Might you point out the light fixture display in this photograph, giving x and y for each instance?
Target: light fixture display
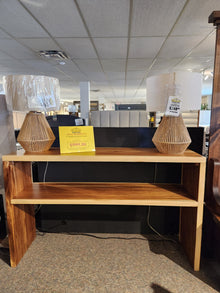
(165, 93)
(36, 94)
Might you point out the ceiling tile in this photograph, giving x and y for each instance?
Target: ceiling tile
(177, 47)
(3, 35)
(146, 47)
(194, 20)
(10, 63)
(138, 64)
(21, 24)
(40, 66)
(16, 50)
(11, 70)
(61, 19)
(69, 83)
(115, 75)
(38, 44)
(156, 72)
(14, 67)
(89, 65)
(106, 18)
(77, 48)
(68, 67)
(76, 76)
(154, 17)
(118, 84)
(206, 48)
(4, 56)
(96, 76)
(111, 48)
(135, 74)
(165, 63)
(113, 64)
(195, 64)
(133, 83)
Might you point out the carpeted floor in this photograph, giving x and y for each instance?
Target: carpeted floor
(77, 263)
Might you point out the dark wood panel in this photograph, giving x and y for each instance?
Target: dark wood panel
(214, 140)
(134, 137)
(190, 178)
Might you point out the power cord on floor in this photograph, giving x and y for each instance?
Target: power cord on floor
(43, 233)
(154, 230)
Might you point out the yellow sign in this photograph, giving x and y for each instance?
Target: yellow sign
(76, 139)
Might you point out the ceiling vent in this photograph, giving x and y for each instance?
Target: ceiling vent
(54, 54)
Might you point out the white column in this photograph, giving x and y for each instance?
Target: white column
(85, 100)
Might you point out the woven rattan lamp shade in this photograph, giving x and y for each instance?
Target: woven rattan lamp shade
(35, 134)
(35, 93)
(172, 136)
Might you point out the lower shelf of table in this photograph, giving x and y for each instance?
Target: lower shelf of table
(104, 193)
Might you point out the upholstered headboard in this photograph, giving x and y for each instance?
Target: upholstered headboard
(119, 119)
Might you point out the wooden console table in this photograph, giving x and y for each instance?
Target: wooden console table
(22, 193)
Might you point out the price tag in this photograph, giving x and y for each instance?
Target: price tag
(173, 106)
(76, 139)
(79, 122)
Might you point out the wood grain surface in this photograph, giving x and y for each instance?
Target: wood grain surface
(104, 154)
(20, 218)
(105, 193)
(22, 193)
(191, 219)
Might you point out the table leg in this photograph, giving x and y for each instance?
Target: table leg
(191, 233)
(21, 230)
(20, 218)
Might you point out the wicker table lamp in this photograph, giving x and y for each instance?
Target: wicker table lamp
(172, 136)
(36, 94)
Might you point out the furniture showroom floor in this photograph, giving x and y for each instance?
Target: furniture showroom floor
(79, 263)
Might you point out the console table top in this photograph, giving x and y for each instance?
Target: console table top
(107, 154)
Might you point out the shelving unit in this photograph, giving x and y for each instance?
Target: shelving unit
(22, 193)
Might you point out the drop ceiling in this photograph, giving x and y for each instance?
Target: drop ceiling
(114, 44)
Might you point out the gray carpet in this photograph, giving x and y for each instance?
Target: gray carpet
(76, 263)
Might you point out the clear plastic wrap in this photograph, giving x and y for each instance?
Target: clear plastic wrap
(32, 93)
(7, 137)
(184, 84)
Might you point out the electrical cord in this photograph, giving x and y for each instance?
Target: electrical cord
(45, 172)
(44, 180)
(41, 232)
(154, 230)
(162, 238)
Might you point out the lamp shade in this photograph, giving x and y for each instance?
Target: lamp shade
(32, 93)
(35, 94)
(186, 85)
